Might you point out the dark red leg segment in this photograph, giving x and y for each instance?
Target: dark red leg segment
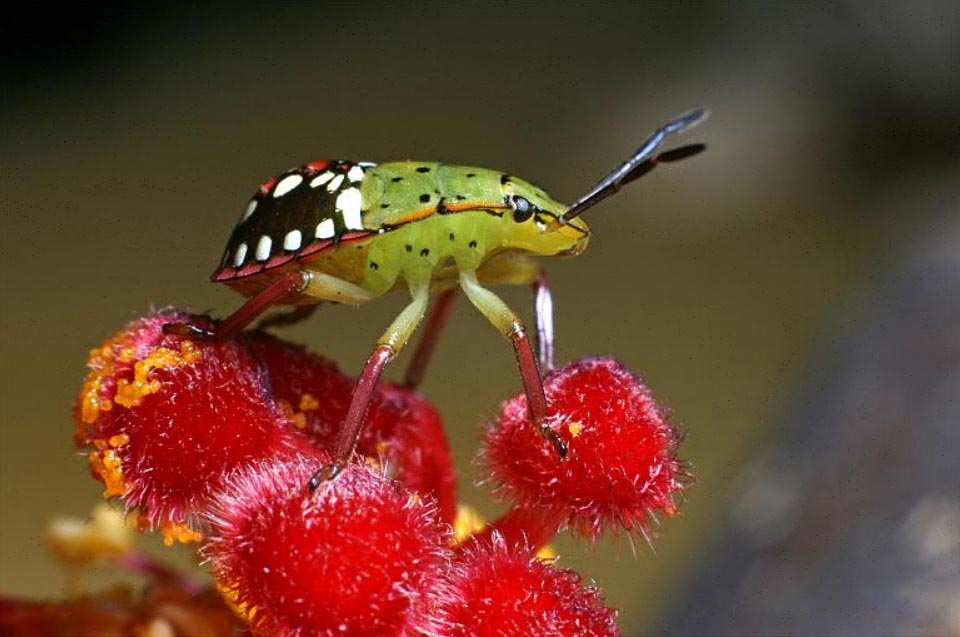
(353, 424)
(239, 320)
(533, 388)
(431, 334)
(543, 315)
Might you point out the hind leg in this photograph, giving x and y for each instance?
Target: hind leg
(322, 287)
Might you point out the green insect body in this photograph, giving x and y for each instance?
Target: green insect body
(419, 222)
(349, 232)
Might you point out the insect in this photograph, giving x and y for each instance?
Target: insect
(349, 232)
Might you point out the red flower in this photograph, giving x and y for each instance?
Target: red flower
(621, 466)
(221, 437)
(351, 559)
(501, 592)
(168, 418)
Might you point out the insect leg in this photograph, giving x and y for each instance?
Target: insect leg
(543, 316)
(257, 305)
(431, 334)
(330, 288)
(391, 342)
(509, 324)
(524, 271)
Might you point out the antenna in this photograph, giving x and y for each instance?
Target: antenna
(642, 162)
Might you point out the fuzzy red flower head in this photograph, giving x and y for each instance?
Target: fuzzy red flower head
(621, 466)
(501, 592)
(168, 418)
(350, 559)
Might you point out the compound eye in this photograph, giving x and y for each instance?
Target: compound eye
(522, 209)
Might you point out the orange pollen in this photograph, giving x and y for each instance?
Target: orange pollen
(108, 465)
(119, 440)
(132, 393)
(101, 364)
(178, 532)
(298, 419)
(309, 403)
(232, 597)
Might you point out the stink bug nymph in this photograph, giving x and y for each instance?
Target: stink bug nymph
(348, 232)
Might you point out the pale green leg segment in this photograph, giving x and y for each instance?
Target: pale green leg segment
(403, 326)
(490, 305)
(391, 342)
(330, 288)
(510, 325)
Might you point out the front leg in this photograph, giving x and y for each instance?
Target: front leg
(520, 270)
(509, 324)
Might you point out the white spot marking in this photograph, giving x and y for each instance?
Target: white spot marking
(355, 174)
(287, 184)
(249, 211)
(325, 229)
(348, 203)
(240, 255)
(263, 248)
(333, 185)
(366, 164)
(292, 240)
(321, 179)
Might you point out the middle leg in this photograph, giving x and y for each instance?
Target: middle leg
(391, 342)
(431, 334)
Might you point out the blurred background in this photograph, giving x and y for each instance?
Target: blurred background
(792, 294)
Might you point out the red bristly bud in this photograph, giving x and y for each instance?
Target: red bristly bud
(351, 559)
(402, 430)
(621, 467)
(168, 418)
(500, 592)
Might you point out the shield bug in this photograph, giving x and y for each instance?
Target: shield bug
(348, 232)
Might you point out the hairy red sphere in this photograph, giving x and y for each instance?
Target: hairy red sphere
(621, 466)
(168, 418)
(402, 429)
(408, 434)
(500, 592)
(308, 387)
(351, 559)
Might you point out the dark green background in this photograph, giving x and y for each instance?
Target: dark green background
(132, 140)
